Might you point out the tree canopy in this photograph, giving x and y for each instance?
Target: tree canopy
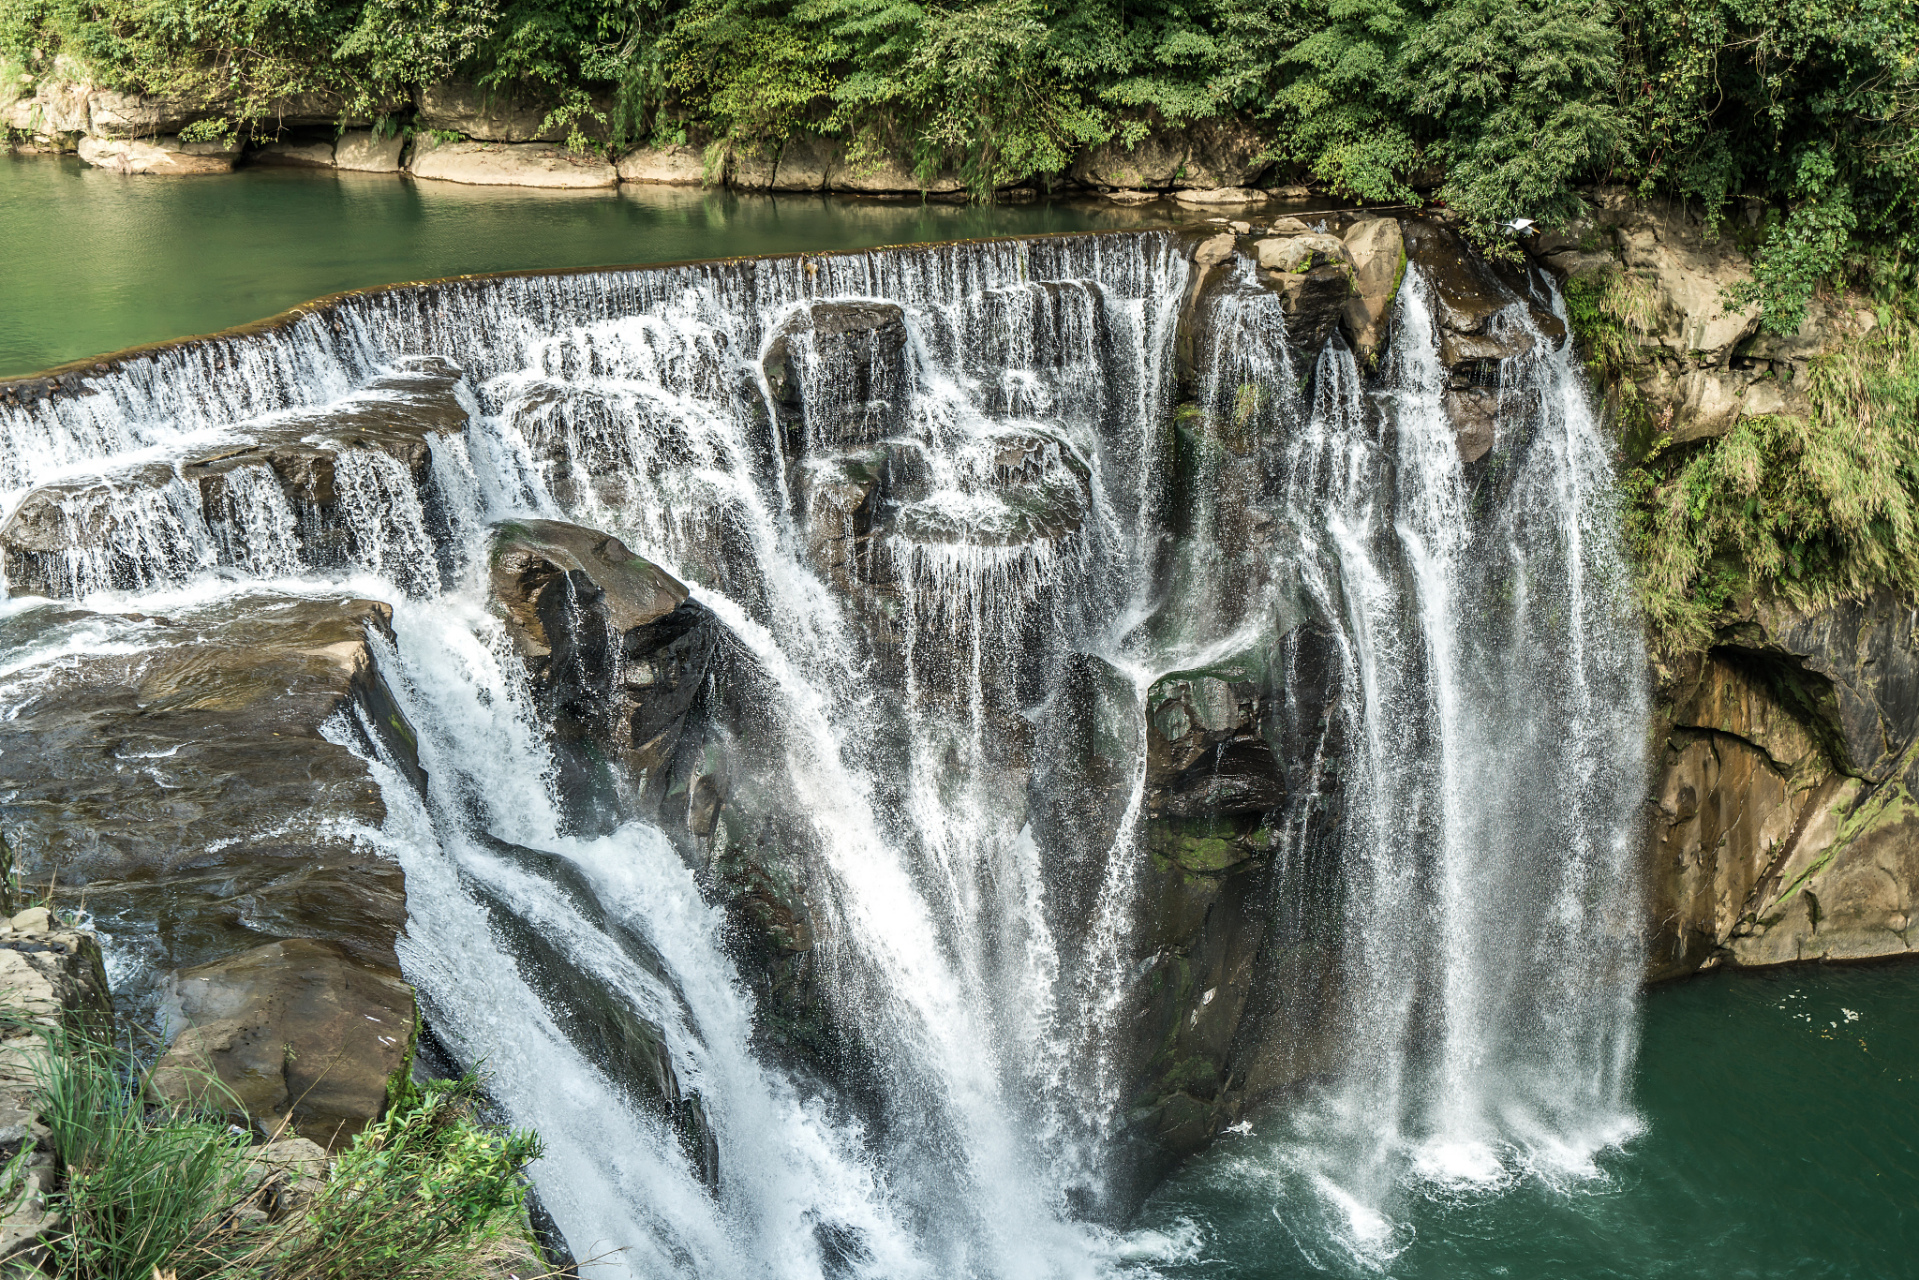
(1802, 113)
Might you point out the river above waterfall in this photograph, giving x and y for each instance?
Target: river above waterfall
(976, 471)
(93, 261)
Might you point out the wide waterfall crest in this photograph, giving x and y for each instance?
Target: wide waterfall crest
(1004, 566)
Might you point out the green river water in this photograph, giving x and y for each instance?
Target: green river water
(1778, 1111)
(92, 262)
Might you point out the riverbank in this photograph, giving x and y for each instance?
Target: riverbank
(459, 133)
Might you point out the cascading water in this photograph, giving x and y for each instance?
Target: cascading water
(930, 496)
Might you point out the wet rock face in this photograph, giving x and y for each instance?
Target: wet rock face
(301, 1034)
(1485, 315)
(837, 371)
(626, 666)
(1226, 992)
(618, 654)
(192, 786)
(1784, 826)
(273, 505)
(657, 713)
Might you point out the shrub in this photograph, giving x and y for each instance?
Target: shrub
(1809, 510)
(426, 1191)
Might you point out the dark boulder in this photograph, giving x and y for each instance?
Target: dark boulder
(837, 375)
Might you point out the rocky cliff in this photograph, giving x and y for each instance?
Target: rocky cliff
(1779, 820)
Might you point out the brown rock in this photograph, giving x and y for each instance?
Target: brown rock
(187, 786)
(671, 165)
(486, 115)
(1221, 196)
(1474, 413)
(296, 1031)
(809, 162)
(496, 164)
(165, 155)
(363, 151)
(1299, 254)
(531, 557)
(1377, 251)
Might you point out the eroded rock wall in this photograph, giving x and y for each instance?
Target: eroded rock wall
(1782, 819)
(1780, 826)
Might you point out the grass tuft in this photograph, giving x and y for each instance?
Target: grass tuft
(428, 1190)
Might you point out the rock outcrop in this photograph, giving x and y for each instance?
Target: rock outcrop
(198, 791)
(1784, 826)
(1781, 827)
(166, 155)
(658, 712)
(487, 136)
(1205, 155)
(299, 1033)
(483, 115)
(670, 165)
(363, 151)
(51, 979)
(1699, 360)
(501, 164)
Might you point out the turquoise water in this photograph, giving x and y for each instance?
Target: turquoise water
(1779, 1113)
(92, 262)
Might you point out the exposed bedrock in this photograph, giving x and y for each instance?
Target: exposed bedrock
(302, 1036)
(194, 781)
(1784, 825)
(1699, 363)
(1232, 964)
(837, 374)
(658, 712)
(896, 536)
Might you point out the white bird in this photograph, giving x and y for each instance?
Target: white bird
(1518, 226)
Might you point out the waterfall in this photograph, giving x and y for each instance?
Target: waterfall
(939, 502)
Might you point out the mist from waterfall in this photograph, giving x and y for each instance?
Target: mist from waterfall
(1481, 757)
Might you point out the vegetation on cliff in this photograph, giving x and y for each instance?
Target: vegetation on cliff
(428, 1190)
(1811, 509)
(1506, 105)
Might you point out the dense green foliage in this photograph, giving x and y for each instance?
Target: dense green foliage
(426, 1192)
(1810, 105)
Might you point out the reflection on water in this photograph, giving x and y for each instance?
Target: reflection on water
(93, 261)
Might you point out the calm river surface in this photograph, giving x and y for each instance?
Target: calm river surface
(92, 262)
(1779, 1111)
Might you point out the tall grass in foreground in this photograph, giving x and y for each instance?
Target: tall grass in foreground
(426, 1191)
